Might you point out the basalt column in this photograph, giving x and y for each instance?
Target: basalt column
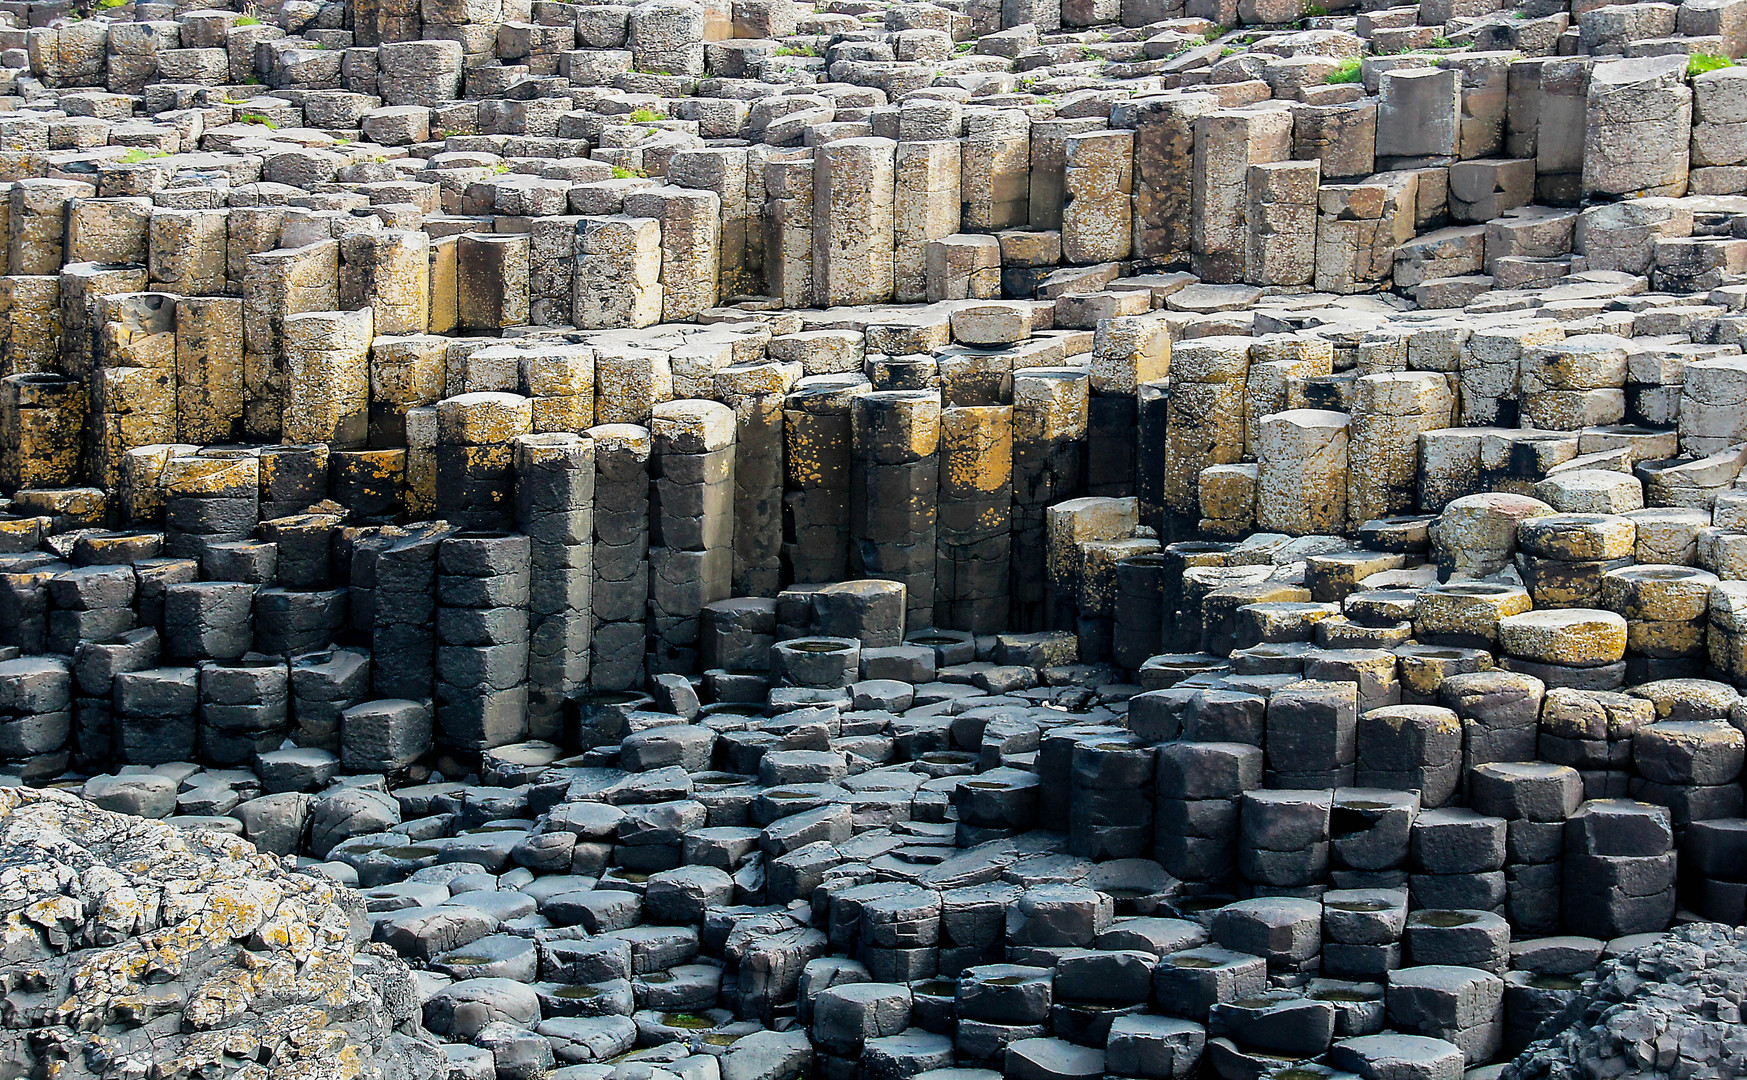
(894, 492)
(691, 544)
(975, 542)
(816, 435)
(621, 555)
(555, 475)
(755, 393)
(482, 640)
(404, 612)
(1049, 431)
(476, 457)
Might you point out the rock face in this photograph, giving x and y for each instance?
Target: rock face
(129, 948)
(1669, 1008)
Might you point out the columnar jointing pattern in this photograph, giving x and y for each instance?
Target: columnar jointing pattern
(1062, 538)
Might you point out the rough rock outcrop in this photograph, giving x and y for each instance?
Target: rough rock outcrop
(1670, 1008)
(133, 948)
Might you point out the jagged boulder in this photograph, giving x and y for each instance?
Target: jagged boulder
(129, 947)
(1669, 1008)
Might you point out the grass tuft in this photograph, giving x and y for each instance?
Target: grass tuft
(1351, 70)
(1699, 63)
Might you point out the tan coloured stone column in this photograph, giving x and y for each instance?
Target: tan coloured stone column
(1301, 478)
(552, 269)
(109, 230)
(788, 250)
(133, 391)
(618, 273)
(83, 287)
(925, 208)
(187, 251)
(492, 273)
(1227, 143)
(1097, 207)
(30, 328)
(1389, 412)
(854, 188)
(1279, 364)
(209, 369)
(1282, 223)
(723, 171)
(560, 380)
(277, 283)
(1206, 425)
(995, 170)
(421, 462)
(37, 232)
(327, 377)
(691, 228)
(975, 542)
(629, 384)
(388, 271)
(406, 373)
(1164, 171)
(42, 430)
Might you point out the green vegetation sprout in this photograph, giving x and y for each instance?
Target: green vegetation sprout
(1699, 63)
(1351, 70)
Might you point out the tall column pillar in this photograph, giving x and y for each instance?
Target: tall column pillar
(620, 600)
(755, 393)
(555, 475)
(1049, 430)
(816, 437)
(691, 546)
(854, 189)
(894, 500)
(975, 540)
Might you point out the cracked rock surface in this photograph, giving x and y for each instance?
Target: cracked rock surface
(132, 948)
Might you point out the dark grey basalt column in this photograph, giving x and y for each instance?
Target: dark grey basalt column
(482, 639)
(819, 450)
(691, 546)
(621, 555)
(555, 479)
(895, 483)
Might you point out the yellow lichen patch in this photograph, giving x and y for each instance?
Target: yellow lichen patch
(219, 1001)
(237, 908)
(287, 934)
(278, 978)
(58, 916)
(20, 941)
(119, 915)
